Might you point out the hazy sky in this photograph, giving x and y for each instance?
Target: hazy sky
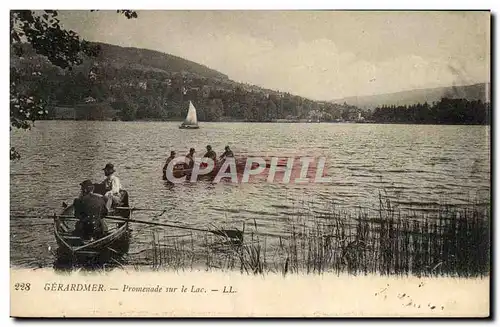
(322, 55)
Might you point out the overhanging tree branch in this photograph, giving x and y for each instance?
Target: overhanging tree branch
(63, 48)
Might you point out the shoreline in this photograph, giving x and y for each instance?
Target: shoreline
(264, 122)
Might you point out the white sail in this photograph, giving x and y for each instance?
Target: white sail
(191, 118)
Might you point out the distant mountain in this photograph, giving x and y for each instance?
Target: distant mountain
(140, 84)
(132, 83)
(152, 60)
(469, 92)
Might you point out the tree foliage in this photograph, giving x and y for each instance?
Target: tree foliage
(445, 111)
(62, 48)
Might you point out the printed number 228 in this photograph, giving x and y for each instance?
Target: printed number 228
(22, 286)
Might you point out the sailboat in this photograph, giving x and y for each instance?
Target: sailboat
(191, 121)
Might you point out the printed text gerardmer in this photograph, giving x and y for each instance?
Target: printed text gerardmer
(79, 287)
(73, 287)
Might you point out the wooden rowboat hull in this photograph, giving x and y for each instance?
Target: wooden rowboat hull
(179, 171)
(71, 247)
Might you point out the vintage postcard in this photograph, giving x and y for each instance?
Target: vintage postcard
(265, 163)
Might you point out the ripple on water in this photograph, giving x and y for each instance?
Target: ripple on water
(363, 160)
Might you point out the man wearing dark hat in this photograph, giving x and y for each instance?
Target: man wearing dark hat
(190, 159)
(227, 153)
(90, 208)
(112, 186)
(210, 153)
(172, 157)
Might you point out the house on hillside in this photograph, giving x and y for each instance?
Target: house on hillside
(89, 100)
(205, 91)
(315, 115)
(352, 114)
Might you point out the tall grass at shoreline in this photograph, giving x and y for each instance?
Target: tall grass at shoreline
(388, 241)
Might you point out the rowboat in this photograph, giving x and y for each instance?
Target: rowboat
(179, 170)
(73, 248)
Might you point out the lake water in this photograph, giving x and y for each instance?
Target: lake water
(416, 166)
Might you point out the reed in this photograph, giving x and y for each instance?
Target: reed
(452, 242)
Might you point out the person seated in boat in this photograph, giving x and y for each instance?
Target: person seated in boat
(112, 187)
(210, 154)
(169, 159)
(90, 209)
(227, 153)
(189, 159)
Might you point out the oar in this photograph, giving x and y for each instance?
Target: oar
(230, 233)
(143, 209)
(43, 216)
(138, 209)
